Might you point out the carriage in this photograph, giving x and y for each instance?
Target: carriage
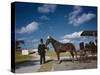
(88, 49)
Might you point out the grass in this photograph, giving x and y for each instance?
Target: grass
(52, 54)
(21, 58)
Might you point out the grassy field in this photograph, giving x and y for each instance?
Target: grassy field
(21, 58)
(52, 54)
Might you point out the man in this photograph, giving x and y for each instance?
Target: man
(41, 51)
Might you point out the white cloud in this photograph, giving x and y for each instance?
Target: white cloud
(78, 17)
(71, 37)
(23, 38)
(65, 40)
(84, 18)
(47, 8)
(35, 40)
(44, 17)
(33, 26)
(74, 35)
(76, 10)
(31, 41)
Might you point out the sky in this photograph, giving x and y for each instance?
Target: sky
(64, 23)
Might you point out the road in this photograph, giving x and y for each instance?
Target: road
(30, 66)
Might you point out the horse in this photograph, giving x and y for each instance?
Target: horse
(93, 48)
(62, 47)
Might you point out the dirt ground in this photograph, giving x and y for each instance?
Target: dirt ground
(52, 64)
(67, 64)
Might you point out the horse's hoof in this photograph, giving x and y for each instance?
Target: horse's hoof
(58, 62)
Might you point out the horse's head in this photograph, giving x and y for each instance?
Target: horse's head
(49, 40)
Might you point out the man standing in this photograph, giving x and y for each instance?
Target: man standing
(41, 51)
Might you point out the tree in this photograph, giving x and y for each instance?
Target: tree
(18, 43)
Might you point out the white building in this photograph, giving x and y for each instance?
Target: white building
(25, 52)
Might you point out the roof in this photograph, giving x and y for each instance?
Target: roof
(89, 33)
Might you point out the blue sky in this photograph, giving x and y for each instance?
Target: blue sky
(63, 22)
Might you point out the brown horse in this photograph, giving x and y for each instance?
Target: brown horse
(62, 47)
(93, 48)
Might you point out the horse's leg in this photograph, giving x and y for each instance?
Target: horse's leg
(72, 54)
(58, 57)
(76, 55)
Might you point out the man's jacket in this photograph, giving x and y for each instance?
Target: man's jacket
(41, 49)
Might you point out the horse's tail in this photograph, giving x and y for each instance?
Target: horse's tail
(75, 51)
(73, 48)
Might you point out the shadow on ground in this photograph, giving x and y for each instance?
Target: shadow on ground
(26, 63)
